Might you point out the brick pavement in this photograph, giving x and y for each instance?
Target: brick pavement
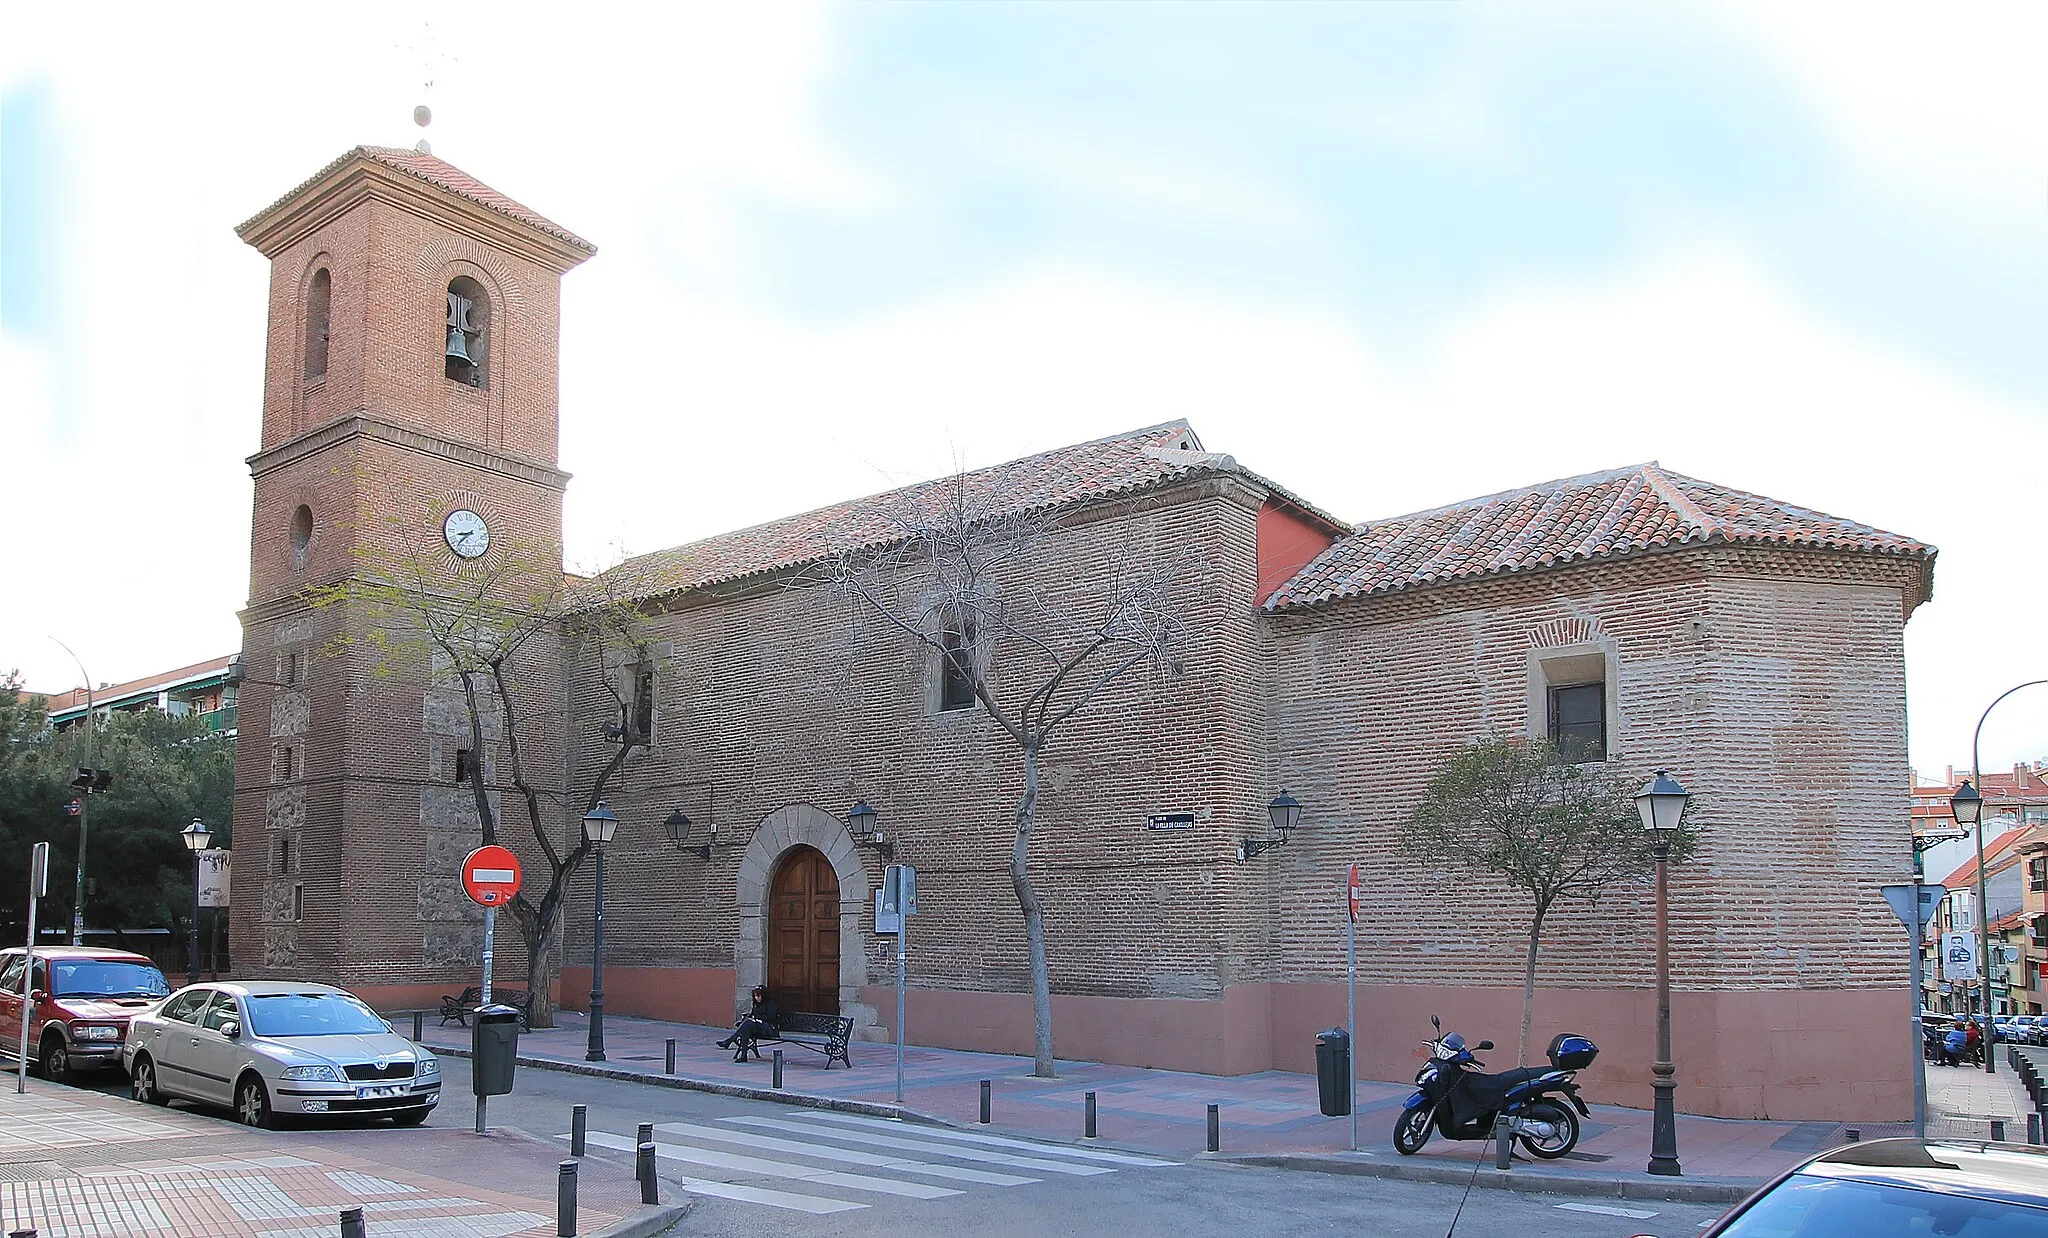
(1269, 1113)
(76, 1163)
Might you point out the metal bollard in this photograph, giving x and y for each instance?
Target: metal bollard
(419, 1026)
(565, 1201)
(1997, 1130)
(644, 1135)
(21, 1233)
(1088, 1115)
(776, 1081)
(352, 1223)
(984, 1102)
(1215, 1129)
(1854, 1133)
(2034, 1129)
(1503, 1142)
(643, 1169)
(671, 1055)
(578, 1118)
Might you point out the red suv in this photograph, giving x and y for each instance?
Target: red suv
(81, 1000)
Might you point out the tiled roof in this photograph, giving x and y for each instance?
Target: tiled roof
(1635, 510)
(1997, 859)
(60, 702)
(442, 175)
(1107, 467)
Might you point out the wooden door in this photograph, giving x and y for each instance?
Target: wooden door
(803, 933)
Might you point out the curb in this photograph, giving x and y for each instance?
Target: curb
(1710, 1191)
(646, 1223)
(687, 1084)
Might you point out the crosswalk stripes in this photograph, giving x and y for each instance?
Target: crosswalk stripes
(730, 1158)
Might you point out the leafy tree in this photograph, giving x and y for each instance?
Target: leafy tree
(167, 771)
(487, 628)
(989, 596)
(1556, 831)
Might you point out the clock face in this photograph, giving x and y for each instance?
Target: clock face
(467, 533)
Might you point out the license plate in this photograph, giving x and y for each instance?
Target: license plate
(378, 1093)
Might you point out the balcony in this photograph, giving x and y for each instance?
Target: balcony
(222, 719)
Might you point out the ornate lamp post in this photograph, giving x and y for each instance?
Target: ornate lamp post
(197, 838)
(1661, 803)
(599, 824)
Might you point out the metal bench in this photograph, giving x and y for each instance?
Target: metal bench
(458, 1009)
(823, 1033)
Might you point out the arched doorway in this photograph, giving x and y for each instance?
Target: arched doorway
(803, 932)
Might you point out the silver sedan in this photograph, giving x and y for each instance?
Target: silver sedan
(272, 1049)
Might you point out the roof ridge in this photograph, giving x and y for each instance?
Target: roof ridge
(1582, 479)
(1671, 492)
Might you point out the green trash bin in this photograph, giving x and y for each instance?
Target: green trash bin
(494, 1043)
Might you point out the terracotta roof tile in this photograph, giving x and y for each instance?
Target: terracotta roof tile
(1625, 511)
(1107, 467)
(442, 175)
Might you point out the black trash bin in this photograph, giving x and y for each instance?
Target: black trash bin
(1333, 1071)
(494, 1041)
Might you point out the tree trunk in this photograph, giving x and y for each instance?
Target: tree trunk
(539, 980)
(1034, 921)
(1529, 983)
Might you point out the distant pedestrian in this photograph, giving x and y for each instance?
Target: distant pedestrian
(1952, 1046)
(759, 1023)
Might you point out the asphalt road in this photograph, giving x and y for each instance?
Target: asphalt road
(788, 1158)
(747, 1167)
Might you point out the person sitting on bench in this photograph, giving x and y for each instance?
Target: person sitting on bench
(757, 1024)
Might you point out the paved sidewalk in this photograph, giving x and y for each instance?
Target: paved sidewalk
(1270, 1115)
(76, 1163)
(1964, 1101)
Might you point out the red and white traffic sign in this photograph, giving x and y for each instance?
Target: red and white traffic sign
(1351, 892)
(491, 875)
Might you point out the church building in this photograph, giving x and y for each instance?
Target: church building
(1653, 620)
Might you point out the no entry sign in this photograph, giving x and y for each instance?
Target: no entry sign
(1351, 892)
(491, 876)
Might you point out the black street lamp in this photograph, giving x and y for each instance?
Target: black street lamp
(678, 829)
(1283, 814)
(197, 838)
(863, 823)
(1975, 807)
(1661, 804)
(599, 824)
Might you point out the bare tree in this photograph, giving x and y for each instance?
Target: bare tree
(1033, 635)
(1555, 830)
(480, 627)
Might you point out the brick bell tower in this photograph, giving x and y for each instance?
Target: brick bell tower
(409, 407)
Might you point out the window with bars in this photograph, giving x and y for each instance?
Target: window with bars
(956, 668)
(643, 703)
(1578, 722)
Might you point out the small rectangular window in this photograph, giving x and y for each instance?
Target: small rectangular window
(1578, 722)
(298, 902)
(2037, 874)
(956, 669)
(291, 669)
(284, 853)
(288, 764)
(643, 702)
(462, 765)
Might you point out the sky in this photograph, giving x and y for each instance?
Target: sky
(1391, 256)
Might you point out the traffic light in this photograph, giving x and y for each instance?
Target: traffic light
(90, 780)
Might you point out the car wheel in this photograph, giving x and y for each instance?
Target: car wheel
(1411, 1129)
(142, 1083)
(56, 1060)
(411, 1117)
(252, 1104)
(1549, 1131)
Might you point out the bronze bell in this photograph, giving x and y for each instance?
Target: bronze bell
(458, 347)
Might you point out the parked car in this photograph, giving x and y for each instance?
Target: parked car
(81, 1000)
(1896, 1188)
(2027, 1029)
(273, 1049)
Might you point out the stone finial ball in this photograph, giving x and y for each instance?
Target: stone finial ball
(422, 116)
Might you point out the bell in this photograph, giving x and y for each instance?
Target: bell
(458, 347)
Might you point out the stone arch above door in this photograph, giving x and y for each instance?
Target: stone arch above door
(794, 825)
